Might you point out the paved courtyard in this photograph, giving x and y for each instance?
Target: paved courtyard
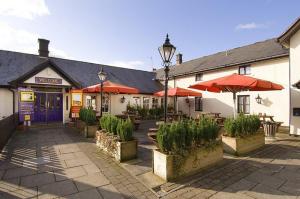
(59, 163)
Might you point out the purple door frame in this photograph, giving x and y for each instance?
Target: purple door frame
(48, 107)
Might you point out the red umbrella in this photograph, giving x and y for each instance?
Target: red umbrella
(236, 83)
(180, 92)
(111, 87)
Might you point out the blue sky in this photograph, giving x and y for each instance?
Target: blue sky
(128, 33)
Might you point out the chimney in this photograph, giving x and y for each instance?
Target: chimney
(43, 47)
(178, 59)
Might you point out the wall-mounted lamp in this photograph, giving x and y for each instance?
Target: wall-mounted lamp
(258, 99)
(187, 100)
(122, 100)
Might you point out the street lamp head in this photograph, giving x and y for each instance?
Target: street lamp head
(102, 75)
(166, 51)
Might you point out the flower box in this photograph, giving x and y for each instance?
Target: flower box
(170, 167)
(243, 145)
(90, 131)
(121, 151)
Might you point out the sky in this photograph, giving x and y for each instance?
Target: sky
(128, 33)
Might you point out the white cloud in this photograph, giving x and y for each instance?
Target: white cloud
(27, 9)
(250, 26)
(128, 64)
(20, 40)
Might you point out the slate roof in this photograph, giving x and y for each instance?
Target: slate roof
(246, 54)
(15, 64)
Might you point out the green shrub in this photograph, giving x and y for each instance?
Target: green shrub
(155, 113)
(143, 112)
(125, 130)
(109, 123)
(90, 117)
(164, 138)
(82, 113)
(243, 125)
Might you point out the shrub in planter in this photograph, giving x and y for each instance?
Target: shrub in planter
(116, 138)
(89, 117)
(242, 135)
(186, 147)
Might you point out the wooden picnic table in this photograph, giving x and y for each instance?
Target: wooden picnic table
(264, 117)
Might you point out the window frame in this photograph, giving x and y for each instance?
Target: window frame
(244, 104)
(200, 105)
(199, 75)
(244, 68)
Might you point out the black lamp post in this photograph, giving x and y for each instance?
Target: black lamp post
(102, 77)
(166, 52)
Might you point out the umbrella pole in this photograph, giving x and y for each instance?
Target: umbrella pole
(234, 104)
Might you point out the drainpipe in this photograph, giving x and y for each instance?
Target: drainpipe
(14, 107)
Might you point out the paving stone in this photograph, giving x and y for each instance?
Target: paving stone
(270, 181)
(109, 192)
(265, 192)
(91, 168)
(88, 194)
(9, 185)
(69, 173)
(57, 189)
(37, 180)
(227, 195)
(24, 193)
(78, 162)
(91, 181)
(18, 172)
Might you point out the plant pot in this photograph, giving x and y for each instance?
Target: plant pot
(90, 131)
(121, 151)
(242, 146)
(170, 167)
(80, 125)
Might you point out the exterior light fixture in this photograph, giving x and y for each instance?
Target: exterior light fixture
(102, 76)
(258, 99)
(166, 51)
(122, 100)
(187, 100)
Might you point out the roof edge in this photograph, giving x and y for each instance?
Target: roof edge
(291, 30)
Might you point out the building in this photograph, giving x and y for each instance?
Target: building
(276, 60)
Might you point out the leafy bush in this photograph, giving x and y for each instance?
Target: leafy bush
(125, 130)
(155, 113)
(143, 112)
(242, 126)
(82, 113)
(109, 123)
(177, 137)
(90, 117)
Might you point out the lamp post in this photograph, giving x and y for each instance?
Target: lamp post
(166, 52)
(102, 77)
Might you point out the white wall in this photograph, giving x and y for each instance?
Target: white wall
(295, 77)
(274, 103)
(47, 73)
(66, 110)
(6, 105)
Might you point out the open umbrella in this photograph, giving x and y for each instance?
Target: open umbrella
(236, 83)
(178, 92)
(110, 87)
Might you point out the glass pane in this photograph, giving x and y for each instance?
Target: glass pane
(42, 101)
(240, 108)
(241, 70)
(51, 102)
(57, 102)
(247, 109)
(247, 99)
(240, 100)
(248, 70)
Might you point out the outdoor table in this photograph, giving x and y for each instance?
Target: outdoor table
(264, 117)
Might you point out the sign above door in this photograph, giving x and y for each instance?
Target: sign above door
(46, 80)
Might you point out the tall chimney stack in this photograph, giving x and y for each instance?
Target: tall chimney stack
(43, 47)
(178, 59)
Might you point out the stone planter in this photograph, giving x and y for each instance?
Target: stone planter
(121, 151)
(170, 167)
(270, 129)
(242, 146)
(90, 131)
(80, 125)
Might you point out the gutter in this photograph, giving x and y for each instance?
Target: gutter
(229, 65)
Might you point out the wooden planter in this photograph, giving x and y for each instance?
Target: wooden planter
(90, 131)
(242, 146)
(170, 167)
(121, 151)
(80, 125)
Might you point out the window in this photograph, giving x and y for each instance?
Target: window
(199, 77)
(137, 101)
(91, 102)
(105, 103)
(244, 104)
(154, 103)
(244, 70)
(146, 102)
(198, 104)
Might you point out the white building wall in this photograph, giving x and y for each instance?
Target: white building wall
(295, 77)
(6, 105)
(274, 103)
(66, 109)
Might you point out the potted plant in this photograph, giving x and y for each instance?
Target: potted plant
(80, 123)
(90, 120)
(242, 135)
(116, 138)
(185, 147)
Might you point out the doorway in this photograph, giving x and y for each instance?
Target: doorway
(48, 107)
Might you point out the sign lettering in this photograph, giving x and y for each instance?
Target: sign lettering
(46, 80)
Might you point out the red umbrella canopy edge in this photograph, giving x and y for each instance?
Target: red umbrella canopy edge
(179, 92)
(111, 87)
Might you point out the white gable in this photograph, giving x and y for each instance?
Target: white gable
(48, 77)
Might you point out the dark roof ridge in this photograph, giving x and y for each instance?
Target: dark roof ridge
(224, 51)
(87, 62)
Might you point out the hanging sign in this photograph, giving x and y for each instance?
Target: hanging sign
(26, 104)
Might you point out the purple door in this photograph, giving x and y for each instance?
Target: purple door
(48, 107)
